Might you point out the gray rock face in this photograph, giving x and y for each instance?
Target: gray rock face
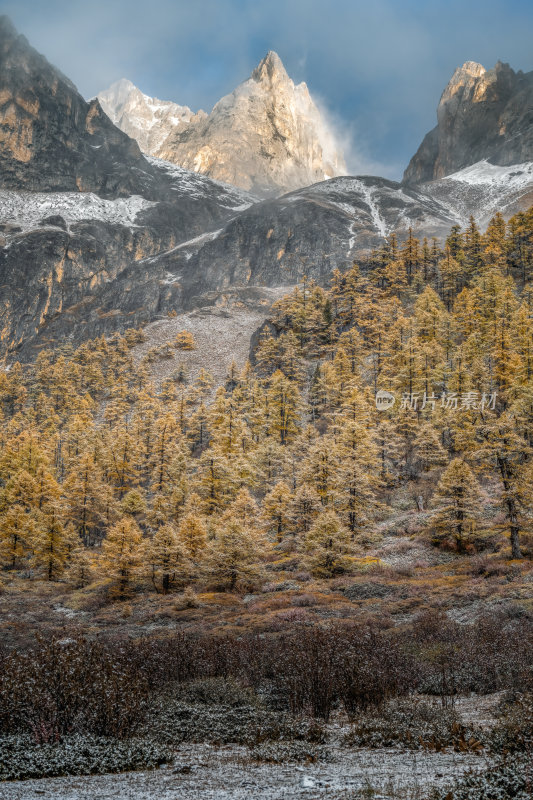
(267, 136)
(51, 139)
(276, 242)
(59, 250)
(76, 279)
(326, 226)
(482, 115)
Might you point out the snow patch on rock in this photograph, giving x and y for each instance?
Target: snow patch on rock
(483, 189)
(197, 186)
(27, 210)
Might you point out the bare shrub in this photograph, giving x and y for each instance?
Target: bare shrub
(69, 686)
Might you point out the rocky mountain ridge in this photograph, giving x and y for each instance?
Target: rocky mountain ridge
(267, 136)
(276, 242)
(96, 238)
(51, 139)
(482, 115)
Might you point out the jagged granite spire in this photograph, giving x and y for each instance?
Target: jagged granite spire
(271, 67)
(267, 136)
(460, 85)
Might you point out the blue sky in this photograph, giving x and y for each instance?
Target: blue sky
(377, 67)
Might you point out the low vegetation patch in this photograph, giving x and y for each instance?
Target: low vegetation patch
(282, 752)
(66, 696)
(507, 779)
(415, 724)
(23, 758)
(514, 730)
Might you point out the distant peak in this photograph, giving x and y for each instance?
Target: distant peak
(121, 87)
(123, 83)
(6, 26)
(269, 67)
(112, 98)
(472, 68)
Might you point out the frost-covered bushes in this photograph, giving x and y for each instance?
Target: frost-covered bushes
(514, 730)
(494, 654)
(177, 722)
(282, 752)
(212, 710)
(320, 669)
(221, 711)
(414, 724)
(217, 691)
(21, 758)
(508, 779)
(251, 685)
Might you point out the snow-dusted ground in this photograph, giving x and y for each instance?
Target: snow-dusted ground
(27, 209)
(378, 221)
(515, 176)
(206, 772)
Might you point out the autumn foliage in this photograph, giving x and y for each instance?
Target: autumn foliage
(106, 476)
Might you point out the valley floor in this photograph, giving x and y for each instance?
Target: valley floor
(227, 773)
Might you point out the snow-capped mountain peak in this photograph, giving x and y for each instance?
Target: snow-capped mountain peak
(144, 118)
(267, 136)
